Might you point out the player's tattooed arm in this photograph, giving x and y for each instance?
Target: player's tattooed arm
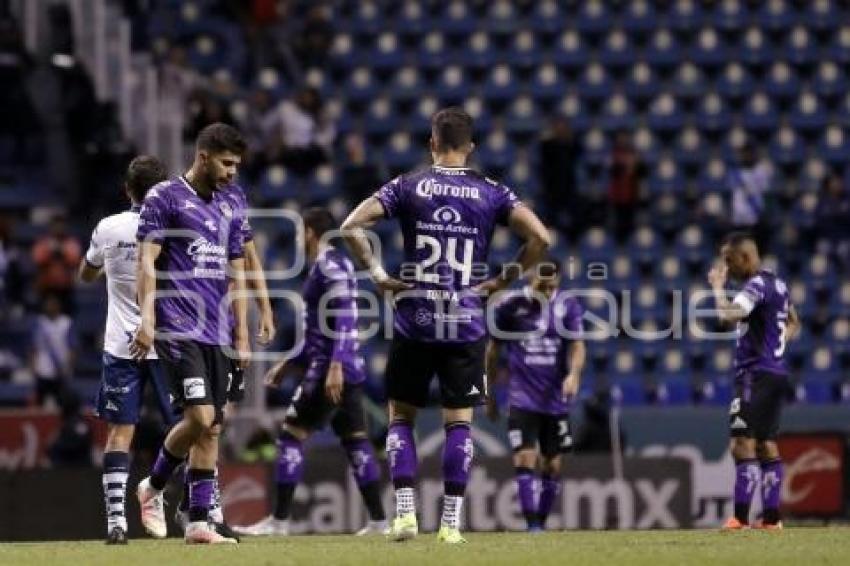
(255, 280)
(491, 361)
(536, 242)
(794, 323)
(727, 311)
(576, 361)
(146, 290)
(366, 215)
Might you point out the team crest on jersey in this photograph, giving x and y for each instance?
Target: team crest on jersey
(447, 214)
(226, 209)
(423, 317)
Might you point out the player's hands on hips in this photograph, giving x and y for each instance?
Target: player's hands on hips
(142, 341)
(392, 285)
(717, 275)
(275, 374)
(491, 286)
(492, 409)
(266, 329)
(334, 383)
(569, 388)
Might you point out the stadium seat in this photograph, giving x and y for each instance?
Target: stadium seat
(834, 146)
(735, 82)
(800, 48)
(480, 53)
(502, 18)
(618, 114)
(413, 21)
(664, 115)
(754, 48)
(690, 84)
(686, 16)
(501, 85)
(787, 148)
(451, 86)
(570, 51)
(617, 53)
(713, 116)
(839, 50)
(523, 119)
(457, 20)
(361, 86)
(387, 54)
(760, 116)
(433, 54)
(709, 51)
(548, 84)
(407, 85)
(639, 18)
(596, 246)
(524, 51)
(808, 115)
(775, 16)
(595, 84)
(782, 82)
(830, 81)
(547, 18)
(497, 153)
(593, 18)
(730, 16)
(381, 119)
(401, 153)
(641, 83)
(816, 392)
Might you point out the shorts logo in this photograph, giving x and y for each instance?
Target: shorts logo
(194, 388)
(738, 424)
(735, 407)
(474, 391)
(110, 406)
(515, 438)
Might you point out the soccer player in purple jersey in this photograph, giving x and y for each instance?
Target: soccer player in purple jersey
(331, 390)
(447, 213)
(766, 320)
(542, 329)
(190, 249)
(112, 253)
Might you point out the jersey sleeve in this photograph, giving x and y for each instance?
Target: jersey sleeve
(154, 217)
(94, 255)
(751, 295)
(242, 202)
(236, 236)
(573, 319)
(390, 197)
(504, 202)
(343, 304)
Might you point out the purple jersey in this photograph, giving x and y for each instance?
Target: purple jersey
(538, 362)
(762, 335)
(198, 238)
(447, 217)
(239, 202)
(330, 317)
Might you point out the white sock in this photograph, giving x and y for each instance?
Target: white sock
(114, 492)
(405, 501)
(452, 506)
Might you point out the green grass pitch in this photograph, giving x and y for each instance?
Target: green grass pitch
(799, 546)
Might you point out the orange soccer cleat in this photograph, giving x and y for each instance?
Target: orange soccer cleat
(733, 524)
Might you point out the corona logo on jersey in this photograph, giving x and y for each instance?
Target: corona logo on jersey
(428, 188)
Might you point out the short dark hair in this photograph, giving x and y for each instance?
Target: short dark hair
(219, 137)
(144, 172)
(735, 239)
(319, 220)
(451, 128)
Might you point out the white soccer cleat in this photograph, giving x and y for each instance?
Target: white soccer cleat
(264, 528)
(374, 528)
(153, 510)
(201, 532)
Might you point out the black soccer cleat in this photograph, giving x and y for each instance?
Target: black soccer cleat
(224, 530)
(117, 536)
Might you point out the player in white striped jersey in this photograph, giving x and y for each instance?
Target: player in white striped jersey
(112, 252)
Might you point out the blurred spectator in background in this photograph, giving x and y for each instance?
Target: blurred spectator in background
(12, 281)
(625, 175)
(56, 256)
(17, 114)
(833, 219)
(748, 180)
(205, 108)
(301, 133)
(559, 158)
(360, 176)
(595, 436)
(258, 126)
(52, 356)
(315, 38)
(178, 79)
(72, 447)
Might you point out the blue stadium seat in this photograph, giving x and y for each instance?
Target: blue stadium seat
(840, 302)
(686, 17)
(420, 122)
(628, 392)
(821, 365)
(782, 82)
(451, 86)
(839, 50)
(645, 141)
(708, 51)
(361, 86)
(664, 115)
(617, 51)
(480, 54)
(413, 21)
(524, 51)
(593, 18)
(800, 48)
(401, 153)
(548, 84)
(754, 48)
(690, 148)
(816, 392)
(830, 81)
(808, 115)
(433, 54)
(718, 392)
(735, 82)
(674, 390)
(407, 85)
(476, 108)
(664, 51)
(666, 177)
(623, 272)
(596, 246)
(730, 16)
(787, 148)
(775, 17)
(501, 85)
(457, 20)
(342, 53)
(502, 18)
(689, 83)
(572, 107)
(712, 180)
(713, 115)
(523, 117)
(570, 51)
(824, 16)
(760, 115)
(594, 83)
(547, 18)
(387, 54)
(497, 153)
(692, 246)
(639, 18)
(820, 274)
(381, 119)
(834, 146)
(618, 114)
(641, 84)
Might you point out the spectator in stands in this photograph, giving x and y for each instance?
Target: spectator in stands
(625, 173)
(748, 181)
(833, 219)
(205, 108)
(258, 127)
(16, 110)
(72, 447)
(559, 158)
(315, 38)
(360, 176)
(52, 356)
(302, 134)
(56, 256)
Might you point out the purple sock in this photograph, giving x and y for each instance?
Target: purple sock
(551, 487)
(401, 453)
(201, 488)
(771, 488)
(364, 466)
(290, 469)
(525, 493)
(163, 468)
(457, 458)
(746, 482)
